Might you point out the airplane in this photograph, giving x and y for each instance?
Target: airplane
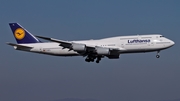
(93, 50)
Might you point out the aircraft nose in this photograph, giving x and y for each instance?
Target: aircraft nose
(172, 43)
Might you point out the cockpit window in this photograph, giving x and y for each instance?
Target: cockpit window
(161, 36)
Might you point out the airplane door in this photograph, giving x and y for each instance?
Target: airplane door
(121, 44)
(40, 49)
(144, 45)
(141, 45)
(151, 43)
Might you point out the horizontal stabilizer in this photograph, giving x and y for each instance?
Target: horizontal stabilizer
(18, 45)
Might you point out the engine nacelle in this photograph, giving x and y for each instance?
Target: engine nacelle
(79, 47)
(103, 51)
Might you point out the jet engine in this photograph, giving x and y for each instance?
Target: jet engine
(79, 47)
(102, 51)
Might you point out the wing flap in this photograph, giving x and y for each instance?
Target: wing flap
(64, 44)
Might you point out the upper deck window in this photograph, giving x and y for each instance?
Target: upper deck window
(146, 37)
(128, 38)
(161, 36)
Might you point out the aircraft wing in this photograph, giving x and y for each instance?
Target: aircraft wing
(65, 44)
(68, 44)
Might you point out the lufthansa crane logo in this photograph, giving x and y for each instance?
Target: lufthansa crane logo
(19, 33)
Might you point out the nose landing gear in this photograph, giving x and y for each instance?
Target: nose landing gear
(158, 56)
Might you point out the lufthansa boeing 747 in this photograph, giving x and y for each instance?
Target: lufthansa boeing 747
(93, 50)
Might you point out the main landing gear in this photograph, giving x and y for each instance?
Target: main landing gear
(92, 58)
(98, 59)
(89, 59)
(158, 56)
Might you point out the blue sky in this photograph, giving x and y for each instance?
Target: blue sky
(134, 77)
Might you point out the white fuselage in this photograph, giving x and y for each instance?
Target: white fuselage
(127, 44)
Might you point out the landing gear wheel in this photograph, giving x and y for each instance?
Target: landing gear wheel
(157, 56)
(97, 61)
(91, 59)
(87, 60)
